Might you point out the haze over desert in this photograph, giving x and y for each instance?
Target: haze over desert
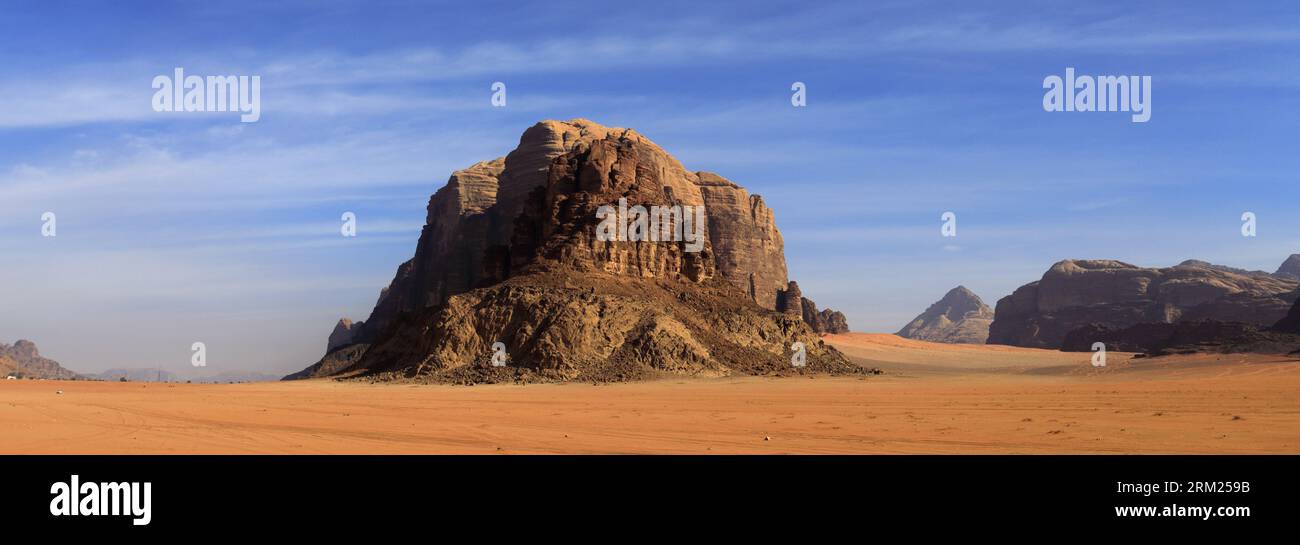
(933, 398)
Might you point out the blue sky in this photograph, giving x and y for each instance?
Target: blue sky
(175, 228)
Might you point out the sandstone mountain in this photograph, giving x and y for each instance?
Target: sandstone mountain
(1115, 295)
(510, 254)
(959, 317)
(1290, 268)
(23, 360)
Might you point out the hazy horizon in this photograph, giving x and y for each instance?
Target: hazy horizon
(182, 227)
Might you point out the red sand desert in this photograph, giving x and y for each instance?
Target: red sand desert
(934, 398)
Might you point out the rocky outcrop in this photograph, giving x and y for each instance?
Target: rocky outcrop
(1290, 268)
(959, 317)
(1291, 322)
(511, 253)
(23, 360)
(343, 334)
(335, 362)
(790, 301)
(1113, 294)
(825, 321)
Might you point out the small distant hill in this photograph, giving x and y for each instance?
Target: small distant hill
(235, 376)
(959, 317)
(137, 375)
(23, 360)
(142, 374)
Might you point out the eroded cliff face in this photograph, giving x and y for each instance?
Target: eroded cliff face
(749, 248)
(510, 254)
(1077, 293)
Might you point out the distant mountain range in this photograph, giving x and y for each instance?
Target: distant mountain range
(142, 374)
(23, 360)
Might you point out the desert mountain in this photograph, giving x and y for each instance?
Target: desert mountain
(510, 253)
(23, 360)
(1290, 268)
(959, 317)
(1116, 295)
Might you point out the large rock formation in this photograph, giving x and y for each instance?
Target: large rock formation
(1116, 295)
(510, 254)
(959, 317)
(1290, 268)
(23, 360)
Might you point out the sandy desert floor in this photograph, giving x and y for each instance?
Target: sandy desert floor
(933, 399)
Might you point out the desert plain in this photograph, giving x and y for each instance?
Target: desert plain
(932, 398)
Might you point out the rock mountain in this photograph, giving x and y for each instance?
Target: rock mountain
(23, 360)
(1112, 295)
(1290, 268)
(509, 254)
(959, 317)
